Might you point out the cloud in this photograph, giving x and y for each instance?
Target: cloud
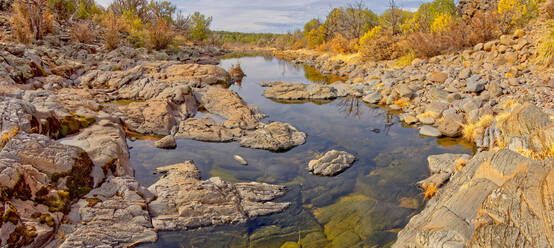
(274, 16)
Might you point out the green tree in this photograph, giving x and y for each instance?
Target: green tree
(200, 26)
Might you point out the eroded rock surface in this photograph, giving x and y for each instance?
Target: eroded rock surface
(185, 202)
(331, 163)
(485, 201)
(113, 215)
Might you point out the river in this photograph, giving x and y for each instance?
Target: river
(365, 206)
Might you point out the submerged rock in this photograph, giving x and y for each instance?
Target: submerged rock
(186, 202)
(331, 163)
(276, 136)
(240, 159)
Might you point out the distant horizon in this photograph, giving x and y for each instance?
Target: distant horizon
(265, 16)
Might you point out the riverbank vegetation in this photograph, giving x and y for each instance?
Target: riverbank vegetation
(154, 25)
(435, 28)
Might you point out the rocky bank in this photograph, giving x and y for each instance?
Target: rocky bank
(66, 112)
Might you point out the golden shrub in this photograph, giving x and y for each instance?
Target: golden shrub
(114, 25)
(21, 24)
(339, 44)
(160, 35)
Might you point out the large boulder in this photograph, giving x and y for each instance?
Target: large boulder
(106, 144)
(183, 201)
(151, 117)
(331, 163)
(500, 194)
(276, 136)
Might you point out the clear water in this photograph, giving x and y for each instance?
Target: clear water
(365, 206)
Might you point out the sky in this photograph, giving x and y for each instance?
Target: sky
(272, 16)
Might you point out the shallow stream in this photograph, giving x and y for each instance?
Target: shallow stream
(365, 206)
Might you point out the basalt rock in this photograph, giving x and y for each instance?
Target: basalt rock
(113, 215)
(500, 194)
(331, 163)
(185, 202)
(296, 91)
(151, 117)
(206, 129)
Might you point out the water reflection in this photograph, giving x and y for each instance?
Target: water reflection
(364, 206)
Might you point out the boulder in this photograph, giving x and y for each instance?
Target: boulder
(228, 104)
(106, 144)
(276, 136)
(206, 129)
(331, 163)
(184, 202)
(151, 117)
(373, 98)
(437, 77)
(474, 84)
(167, 142)
(429, 131)
(451, 125)
(296, 91)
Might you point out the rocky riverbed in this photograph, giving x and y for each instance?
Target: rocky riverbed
(67, 110)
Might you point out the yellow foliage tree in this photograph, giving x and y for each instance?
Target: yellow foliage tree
(441, 22)
(512, 10)
(370, 35)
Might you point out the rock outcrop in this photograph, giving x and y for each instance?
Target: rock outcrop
(183, 201)
(331, 163)
(296, 91)
(501, 194)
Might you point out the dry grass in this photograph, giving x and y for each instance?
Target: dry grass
(545, 49)
(460, 164)
(6, 136)
(430, 190)
(82, 33)
(402, 102)
(160, 35)
(471, 130)
(236, 70)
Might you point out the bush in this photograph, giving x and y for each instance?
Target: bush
(339, 44)
(20, 23)
(82, 33)
(385, 47)
(160, 35)
(113, 25)
(457, 35)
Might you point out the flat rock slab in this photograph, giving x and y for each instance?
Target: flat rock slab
(331, 163)
(185, 202)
